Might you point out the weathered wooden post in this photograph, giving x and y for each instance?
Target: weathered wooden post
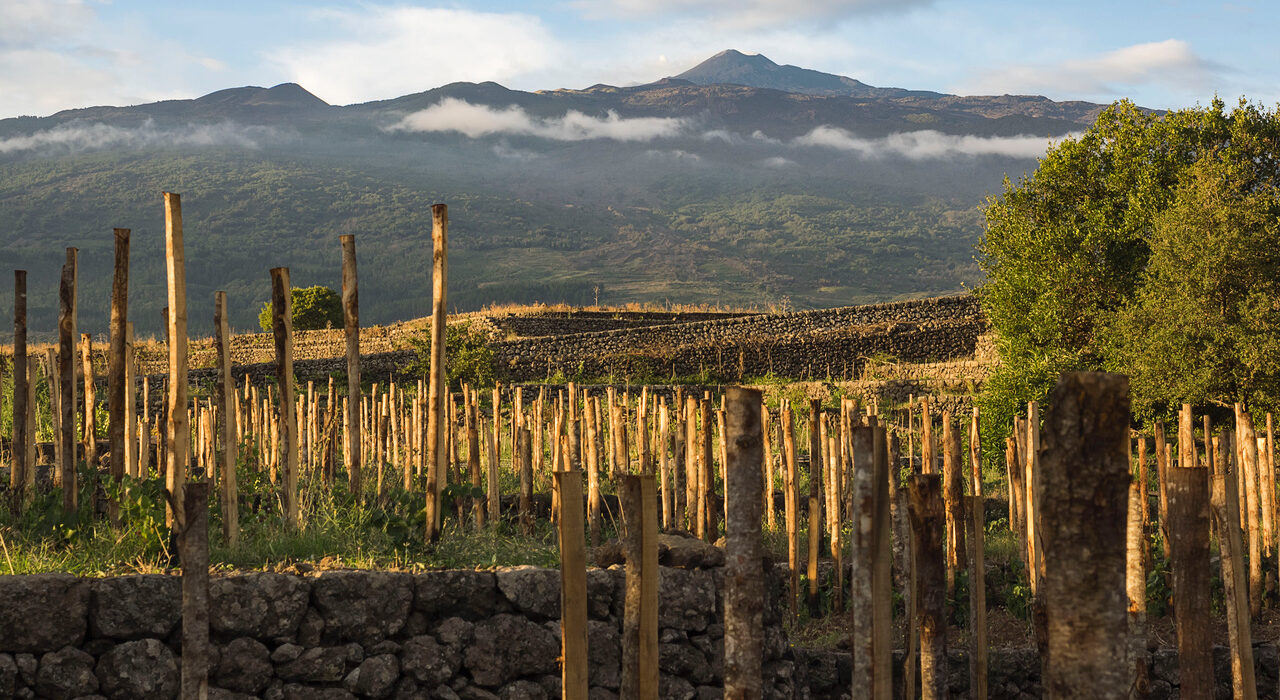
(436, 442)
(495, 456)
(1226, 511)
(928, 519)
(869, 594)
(815, 503)
(525, 459)
(194, 554)
(178, 426)
(1136, 590)
(883, 454)
(1188, 493)
(1082, 494)
(573, 587)
(130, 405)
(282, 328)
(792, 505)
(116, 368)
(1031, 507)
(638, 497)
(88, 411)
(744, 567)
(21, 377)
(351, 332)
(67, 380)
(226, 398)
(953, 496)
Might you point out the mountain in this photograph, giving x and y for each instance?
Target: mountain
(732, 67)
(769, 185)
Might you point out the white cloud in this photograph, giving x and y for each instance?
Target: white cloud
(1171, 62)
(777, 162)
(747, 13)
(386, 52)
(475, 121)
(677, 155)
(76, 137)
(26, 22)
(922, 145)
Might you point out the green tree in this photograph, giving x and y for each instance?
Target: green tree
(314, 308)
(1067, 249)
(1204, 327)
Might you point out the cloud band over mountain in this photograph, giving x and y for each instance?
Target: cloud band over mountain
(926, 144)
(475, 121)
(78, 136)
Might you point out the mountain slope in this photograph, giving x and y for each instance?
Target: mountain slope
(670, 191)
(732, 67)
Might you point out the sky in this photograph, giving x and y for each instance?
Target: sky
(61, 54)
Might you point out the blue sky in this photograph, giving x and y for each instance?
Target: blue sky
(57, 54)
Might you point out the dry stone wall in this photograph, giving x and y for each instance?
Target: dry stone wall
(361, 634)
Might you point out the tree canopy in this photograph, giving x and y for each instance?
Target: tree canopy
(314, 308)
(1146, 245)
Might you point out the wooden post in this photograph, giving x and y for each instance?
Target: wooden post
(744, 583)
(1226, 511)
(21, 377)
(706, 477)
(766, 434)
(638, 497)
(471, 416)
(130, 406)
(1188, 492)
(1082, 494)
(88, 410)
(977, 598)
(495, 457)
(593, 475)
(178, 425)
(664, 442)
(573, 586)
(282, 327)
(927, 460)
(1031, 506)
(226, 399)
(525, 459)
(928, 519)
(67, 381)
(436, 443)
(815, 503)
(1136, 591)
(792, 506)
(883, 453)
(116, 372)
(195, 591)
(953, 493)
(864, 546)
(351, 331)
(1246, 454)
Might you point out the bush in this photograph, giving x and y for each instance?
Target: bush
(314, 308)
(468, 357)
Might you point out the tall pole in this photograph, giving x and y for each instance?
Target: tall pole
(117, 360)
(351, 325)
(226, 409)
(282, 328)
(21, 375)
(436, 442)
(178, 426)
(67, 368)
(744, 584)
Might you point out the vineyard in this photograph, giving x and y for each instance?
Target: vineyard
(612, 504)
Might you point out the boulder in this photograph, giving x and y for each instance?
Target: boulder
(362, 606)
(140, 669)
(507, 647)
(8, 676)
(429, 662)
(375, 677)
(531, 589)
(315, 665)
(471, 595)
(42, 612)
(245, 666)
(65, 674)
(688, 599)
(135, 607)
(262, 605)
(604, 655)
